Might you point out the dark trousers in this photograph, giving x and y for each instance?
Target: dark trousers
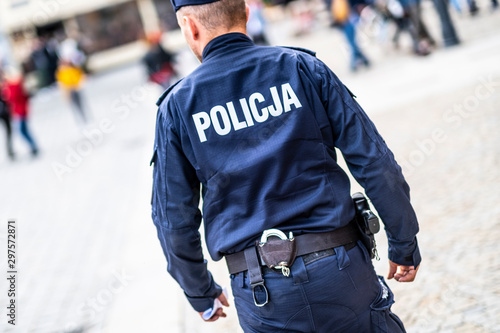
(357, 55)
(26, 134)
(77, 102)
(5, 119)
(418, 29)
(336, 293)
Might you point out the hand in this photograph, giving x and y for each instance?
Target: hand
(402, 273)
(220, 312)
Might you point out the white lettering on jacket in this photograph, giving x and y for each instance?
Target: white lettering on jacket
(225, 119)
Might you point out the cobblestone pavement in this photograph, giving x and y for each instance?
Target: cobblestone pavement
(452, 167)
(88, 256)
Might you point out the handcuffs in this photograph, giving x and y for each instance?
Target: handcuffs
(278, 252)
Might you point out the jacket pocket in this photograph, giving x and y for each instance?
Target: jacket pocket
(382, 318)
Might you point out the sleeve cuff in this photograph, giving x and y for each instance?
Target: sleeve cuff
(405, 253)
(203, 303)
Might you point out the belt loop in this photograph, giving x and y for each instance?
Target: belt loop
(343, 260)
(255, 274)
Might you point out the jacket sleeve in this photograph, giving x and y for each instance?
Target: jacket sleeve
(175, 213)
(373, 165)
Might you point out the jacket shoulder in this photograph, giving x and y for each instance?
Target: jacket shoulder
(166, 92)
(300, 49)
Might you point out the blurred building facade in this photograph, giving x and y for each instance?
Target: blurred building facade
(102, 27)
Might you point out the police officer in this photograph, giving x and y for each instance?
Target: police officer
(252, 132)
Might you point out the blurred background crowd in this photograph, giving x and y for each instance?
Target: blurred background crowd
(48, 43)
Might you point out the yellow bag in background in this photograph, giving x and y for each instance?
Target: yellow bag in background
(340, 10)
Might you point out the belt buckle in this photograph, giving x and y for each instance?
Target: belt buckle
(254, 286)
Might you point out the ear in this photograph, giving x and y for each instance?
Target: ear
(247, 8)
(193, 27)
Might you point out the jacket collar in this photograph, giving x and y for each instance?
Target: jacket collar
(225, 43)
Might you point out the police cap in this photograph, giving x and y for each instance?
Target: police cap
(179, 3)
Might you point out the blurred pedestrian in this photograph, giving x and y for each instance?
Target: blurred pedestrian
(256, 25)
(345, 14)
(474, 8)
(44, 59)
(17, 99)
(393, 11)
(70, 78)
(159, 62)
(69, 50)
(422, 40)
(5, 118)
(449, 33)
(302, 13)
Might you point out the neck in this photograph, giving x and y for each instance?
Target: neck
(208, 37)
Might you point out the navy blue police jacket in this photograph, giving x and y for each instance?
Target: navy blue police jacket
(253, 131)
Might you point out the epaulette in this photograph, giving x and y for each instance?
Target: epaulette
(166, 92)
(301, 49)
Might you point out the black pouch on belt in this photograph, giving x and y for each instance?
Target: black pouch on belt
(277, 251)
(368, 223)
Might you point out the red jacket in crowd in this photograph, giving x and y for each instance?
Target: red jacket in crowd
(16, 97)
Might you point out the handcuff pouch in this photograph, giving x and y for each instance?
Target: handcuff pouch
(276, 252)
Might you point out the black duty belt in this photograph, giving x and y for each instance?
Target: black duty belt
(307, 243)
